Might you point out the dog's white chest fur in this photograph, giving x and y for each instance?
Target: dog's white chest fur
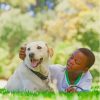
(25, 79)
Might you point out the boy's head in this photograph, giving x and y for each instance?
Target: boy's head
(81, 60)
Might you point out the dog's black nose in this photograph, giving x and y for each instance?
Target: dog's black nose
(31, 55)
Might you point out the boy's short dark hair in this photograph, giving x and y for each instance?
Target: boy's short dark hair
(90, 56)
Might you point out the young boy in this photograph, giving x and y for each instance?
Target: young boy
(75, 76)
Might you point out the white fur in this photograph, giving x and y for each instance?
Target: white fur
(23, 78)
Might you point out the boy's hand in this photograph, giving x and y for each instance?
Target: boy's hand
(22, 54)
(71, 89)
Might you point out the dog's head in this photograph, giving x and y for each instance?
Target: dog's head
(37, 53)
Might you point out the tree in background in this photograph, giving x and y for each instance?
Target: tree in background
(70, 24)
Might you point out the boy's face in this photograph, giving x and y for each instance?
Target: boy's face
(77, 62)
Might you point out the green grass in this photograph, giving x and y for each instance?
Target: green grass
(46, 95)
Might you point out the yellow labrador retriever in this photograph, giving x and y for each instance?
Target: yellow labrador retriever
(33, 73)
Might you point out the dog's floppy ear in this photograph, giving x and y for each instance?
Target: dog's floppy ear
(50, 51)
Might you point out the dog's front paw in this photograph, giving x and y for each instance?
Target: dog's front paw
(53, 85)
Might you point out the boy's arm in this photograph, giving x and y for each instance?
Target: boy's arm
(86, 85)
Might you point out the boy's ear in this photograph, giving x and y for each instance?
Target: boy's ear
(50, 51)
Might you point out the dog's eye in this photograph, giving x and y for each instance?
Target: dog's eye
(39, 47)
(28, 49)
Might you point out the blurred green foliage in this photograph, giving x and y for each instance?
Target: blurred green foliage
(65, 28)
(93, 43)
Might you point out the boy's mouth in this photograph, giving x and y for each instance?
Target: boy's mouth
(36, 62)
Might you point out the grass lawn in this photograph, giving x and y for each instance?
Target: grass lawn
(94, 94)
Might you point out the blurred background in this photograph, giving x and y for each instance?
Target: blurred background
(64, 24)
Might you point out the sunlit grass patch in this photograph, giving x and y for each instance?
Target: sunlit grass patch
(47, 95)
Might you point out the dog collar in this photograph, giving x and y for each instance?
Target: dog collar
(41, 76)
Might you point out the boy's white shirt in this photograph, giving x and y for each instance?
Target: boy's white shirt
(58, 73)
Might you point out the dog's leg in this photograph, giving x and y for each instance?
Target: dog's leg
(52, 84)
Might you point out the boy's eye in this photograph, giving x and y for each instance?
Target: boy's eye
(28, 49)
(39, 47)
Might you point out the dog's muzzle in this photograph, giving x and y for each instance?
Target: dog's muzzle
(31, 55)
(34, 62)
